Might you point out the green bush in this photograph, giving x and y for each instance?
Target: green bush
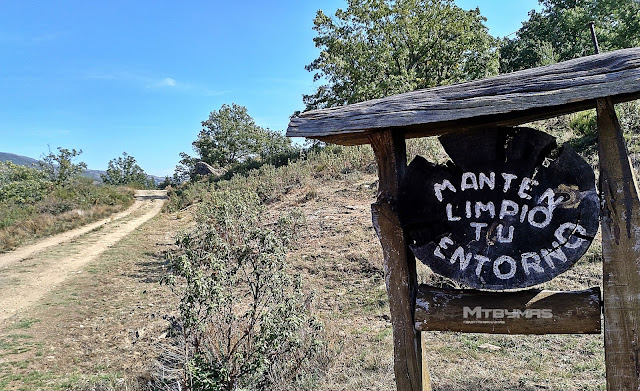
(245, 319)
(22, 185)
(34, 205)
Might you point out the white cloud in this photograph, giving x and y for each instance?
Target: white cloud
(167, 82)
(146, 80)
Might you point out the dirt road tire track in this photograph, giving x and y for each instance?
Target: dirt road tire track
(29, 273)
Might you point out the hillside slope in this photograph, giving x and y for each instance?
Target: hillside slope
(17, 159)
(28, 161)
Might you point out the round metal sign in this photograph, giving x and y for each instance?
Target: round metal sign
(511, 210)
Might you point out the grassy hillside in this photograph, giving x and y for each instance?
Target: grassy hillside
(33, 206)
(324, 200)
(339, 258)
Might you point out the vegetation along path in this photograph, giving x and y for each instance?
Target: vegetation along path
(28, 273)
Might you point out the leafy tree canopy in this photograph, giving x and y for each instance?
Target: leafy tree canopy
(377, 48)
(231, 136)
(228, 136)
(125, 171)
(22, 185)
(60, 167)
(561, 32)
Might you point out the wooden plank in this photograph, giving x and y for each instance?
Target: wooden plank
(531, 311)
(621, 250)
(504, 100)
(399, 264)
(512, 209)
(426, 376)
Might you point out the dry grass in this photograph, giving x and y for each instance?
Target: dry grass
(341, 261)
(45, 224)
(339, 258)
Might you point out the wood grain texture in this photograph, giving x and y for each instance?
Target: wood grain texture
(426, 376)
(531, 311)
(621, 250)
(504, 100)
(399, 264)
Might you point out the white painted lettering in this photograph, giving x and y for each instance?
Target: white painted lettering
(481, 261)
(560, 235)
(444, 244)
(459, 256)
(501, 261)
(531, 261)
(450, 215)
(549, 256)
(488, 207)
(478, 227)
(507, 181)
(501, 237)
(525, 186)
(489, 181)
(508, 208)
(469, 181)
(438, 187)
(549, 195)
(523, 215)
(548, 215)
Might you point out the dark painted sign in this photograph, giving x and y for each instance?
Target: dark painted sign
(511, 210)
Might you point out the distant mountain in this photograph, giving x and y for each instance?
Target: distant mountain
(27, 161)
(17, 159)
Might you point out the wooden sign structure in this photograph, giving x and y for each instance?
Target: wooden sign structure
(476, 109)
(511, 211)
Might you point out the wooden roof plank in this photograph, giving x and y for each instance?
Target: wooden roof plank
(516, 98)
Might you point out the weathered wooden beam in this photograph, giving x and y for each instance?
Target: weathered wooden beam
(621, 250)
(504, 100)
(426, 376)
(399, 263)
(531, 311)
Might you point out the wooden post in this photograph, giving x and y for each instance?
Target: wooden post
(621, 250)
(399, 263)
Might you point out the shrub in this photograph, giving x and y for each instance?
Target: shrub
(60, 167)
(125, 171)
(243, 316)
(31, 206)
(22, 185)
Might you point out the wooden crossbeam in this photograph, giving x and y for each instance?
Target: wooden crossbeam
(505, 100)
(531, 311)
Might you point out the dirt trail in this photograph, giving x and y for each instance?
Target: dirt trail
(28, 273)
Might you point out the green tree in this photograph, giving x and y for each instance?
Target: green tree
(125, 171)
(185, 168)
(60, 167)
(378, 48)
(230, 136)
(561, 32)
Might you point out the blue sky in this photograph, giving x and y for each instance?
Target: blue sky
(139, 76)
